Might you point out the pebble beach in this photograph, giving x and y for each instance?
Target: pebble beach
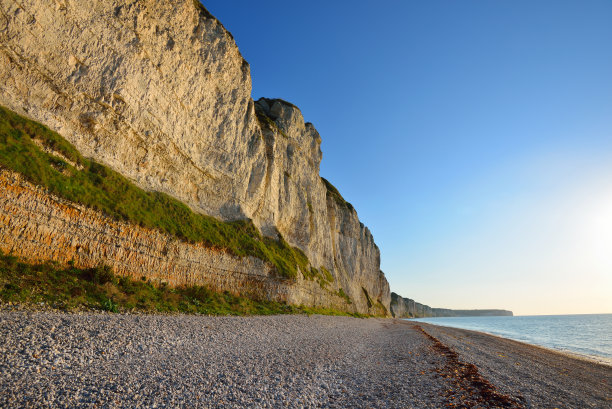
(87, 360)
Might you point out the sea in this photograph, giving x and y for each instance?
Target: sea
(586, 335)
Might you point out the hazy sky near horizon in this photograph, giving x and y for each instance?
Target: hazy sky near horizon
(474, 138)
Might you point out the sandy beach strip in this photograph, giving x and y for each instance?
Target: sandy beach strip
(111, 360)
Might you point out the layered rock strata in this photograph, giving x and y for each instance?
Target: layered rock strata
(407, 308)
(37, 226)
(158, 91)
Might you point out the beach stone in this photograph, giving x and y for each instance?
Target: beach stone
(281, 361)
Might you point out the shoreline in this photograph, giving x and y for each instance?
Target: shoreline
(122, 360)
(595, 359)
(544, 377)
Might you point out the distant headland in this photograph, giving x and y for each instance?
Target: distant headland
(407, 308)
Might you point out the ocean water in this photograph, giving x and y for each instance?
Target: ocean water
(587, 335)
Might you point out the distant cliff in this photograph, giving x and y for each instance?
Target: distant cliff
(159, 92)
(407, 308)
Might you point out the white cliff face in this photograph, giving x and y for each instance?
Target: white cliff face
(155, 89)
(296, 201)
(158, 91)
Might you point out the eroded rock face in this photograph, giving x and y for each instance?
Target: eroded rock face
(155, 89)
(297, 203)
(158, 91)
(37, 226)
(407, 308)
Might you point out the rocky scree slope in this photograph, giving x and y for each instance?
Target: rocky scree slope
(158, 91)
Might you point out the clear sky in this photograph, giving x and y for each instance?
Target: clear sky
(474, 138)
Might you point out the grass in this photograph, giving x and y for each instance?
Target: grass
(70, 288)
(103, 189)
(320, 275)
(342, 294)
(333, 192)
(327, 275)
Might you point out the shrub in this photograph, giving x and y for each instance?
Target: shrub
(100, 274)
(109, 305)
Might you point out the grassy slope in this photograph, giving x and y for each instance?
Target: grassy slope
(101, 188)
(69, 288)
(333, 192)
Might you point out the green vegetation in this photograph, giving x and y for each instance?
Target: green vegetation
(382, 310)
(84, 181)
(327, 275)
(70, 288)
(342, 294)
(322, 276)
(267, 122)
(377, 305)
(333, 192)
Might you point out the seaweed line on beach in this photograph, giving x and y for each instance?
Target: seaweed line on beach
(471, 389)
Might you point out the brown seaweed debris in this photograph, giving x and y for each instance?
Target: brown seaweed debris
(470, 389)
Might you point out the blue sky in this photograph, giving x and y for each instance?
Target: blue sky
(474, 138)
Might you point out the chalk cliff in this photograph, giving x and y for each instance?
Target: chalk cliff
(158, 91)
(408, 308)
